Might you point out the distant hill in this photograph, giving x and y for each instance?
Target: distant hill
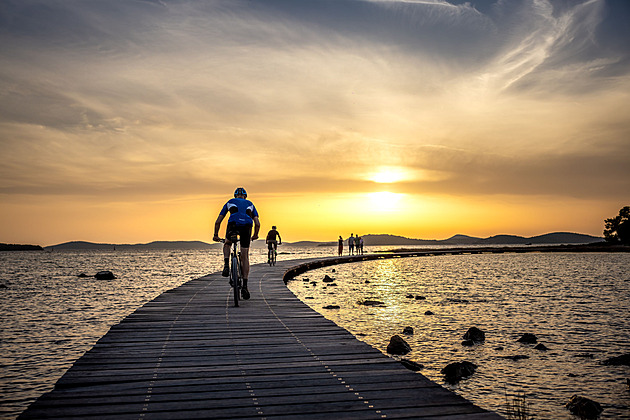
(549, 238)
(156, 245)
(16, 247)
(369, 240)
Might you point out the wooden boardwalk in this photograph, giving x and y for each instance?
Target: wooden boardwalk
(189, 354)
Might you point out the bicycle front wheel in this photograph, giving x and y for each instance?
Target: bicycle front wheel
(234, 278)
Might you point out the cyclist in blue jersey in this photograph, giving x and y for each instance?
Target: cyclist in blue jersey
(242, 214)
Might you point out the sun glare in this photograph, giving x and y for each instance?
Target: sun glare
(388, 175)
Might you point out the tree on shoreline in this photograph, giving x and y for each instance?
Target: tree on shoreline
(617, 229)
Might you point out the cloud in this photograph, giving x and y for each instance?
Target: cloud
(133, 98)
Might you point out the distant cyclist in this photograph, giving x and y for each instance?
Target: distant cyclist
(242, 214)
(273, 239)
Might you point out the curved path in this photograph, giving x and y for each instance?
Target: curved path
(190, 354)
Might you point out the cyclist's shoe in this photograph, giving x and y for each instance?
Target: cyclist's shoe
(245, 293)
(226, 270)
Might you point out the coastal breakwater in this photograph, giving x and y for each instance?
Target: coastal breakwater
(422, 252)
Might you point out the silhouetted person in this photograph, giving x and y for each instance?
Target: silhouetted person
(351, 244)
(273, 239)
(340, 246)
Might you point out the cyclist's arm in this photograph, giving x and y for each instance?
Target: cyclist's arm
(256, 228)
(217, 226)
(279, 238)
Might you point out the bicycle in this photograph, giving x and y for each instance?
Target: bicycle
(236, 275)
(271, 254)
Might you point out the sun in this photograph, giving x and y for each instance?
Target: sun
(388, 175)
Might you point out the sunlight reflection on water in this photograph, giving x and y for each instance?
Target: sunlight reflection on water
(575, 304)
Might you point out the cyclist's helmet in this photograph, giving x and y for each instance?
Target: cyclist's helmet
(240, 191)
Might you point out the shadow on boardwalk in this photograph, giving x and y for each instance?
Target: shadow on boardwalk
(190, 354)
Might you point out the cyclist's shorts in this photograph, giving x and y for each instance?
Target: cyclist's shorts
(245, 233)
(272, 244)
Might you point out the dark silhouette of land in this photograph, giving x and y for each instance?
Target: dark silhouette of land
(370, 240)
(17, 247)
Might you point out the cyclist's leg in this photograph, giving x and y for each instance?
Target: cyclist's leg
(226, 249)
(246, 232)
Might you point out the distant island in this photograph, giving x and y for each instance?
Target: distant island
(369, 240)
(16, 247)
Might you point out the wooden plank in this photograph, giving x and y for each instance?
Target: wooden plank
(190, 354)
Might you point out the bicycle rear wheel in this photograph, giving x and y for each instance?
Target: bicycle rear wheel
(235, 280)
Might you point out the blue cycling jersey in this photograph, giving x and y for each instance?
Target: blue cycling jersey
(241, 211)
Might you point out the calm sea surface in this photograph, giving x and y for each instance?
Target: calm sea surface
(577, 305)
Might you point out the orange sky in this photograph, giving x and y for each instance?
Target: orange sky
(130, 122)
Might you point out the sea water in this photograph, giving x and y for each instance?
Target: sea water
(51, 316)
(577, 305)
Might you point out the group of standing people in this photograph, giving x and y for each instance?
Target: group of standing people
(355, 245)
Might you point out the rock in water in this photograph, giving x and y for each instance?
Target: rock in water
(328, 279)
(541, 347)
(408, 331)
(376, 303)
(584, 407)
(475, 334)
(618, 361)
(456, 371)
(528, 338)
(104, 275)
(398, 346)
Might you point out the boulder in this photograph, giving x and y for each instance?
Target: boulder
(328, 279)
(398, 346)
(618, 361)
(408, 331)
(528, 338)
(411, 365)
(456, 371)
(409, 296)
(468, 343)
(428, 313)
(541, 347)
(420, 297)
(475, 334)
(82, 275)
(3, 286)
(372, 303)
(104, 275)
(584, 407)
